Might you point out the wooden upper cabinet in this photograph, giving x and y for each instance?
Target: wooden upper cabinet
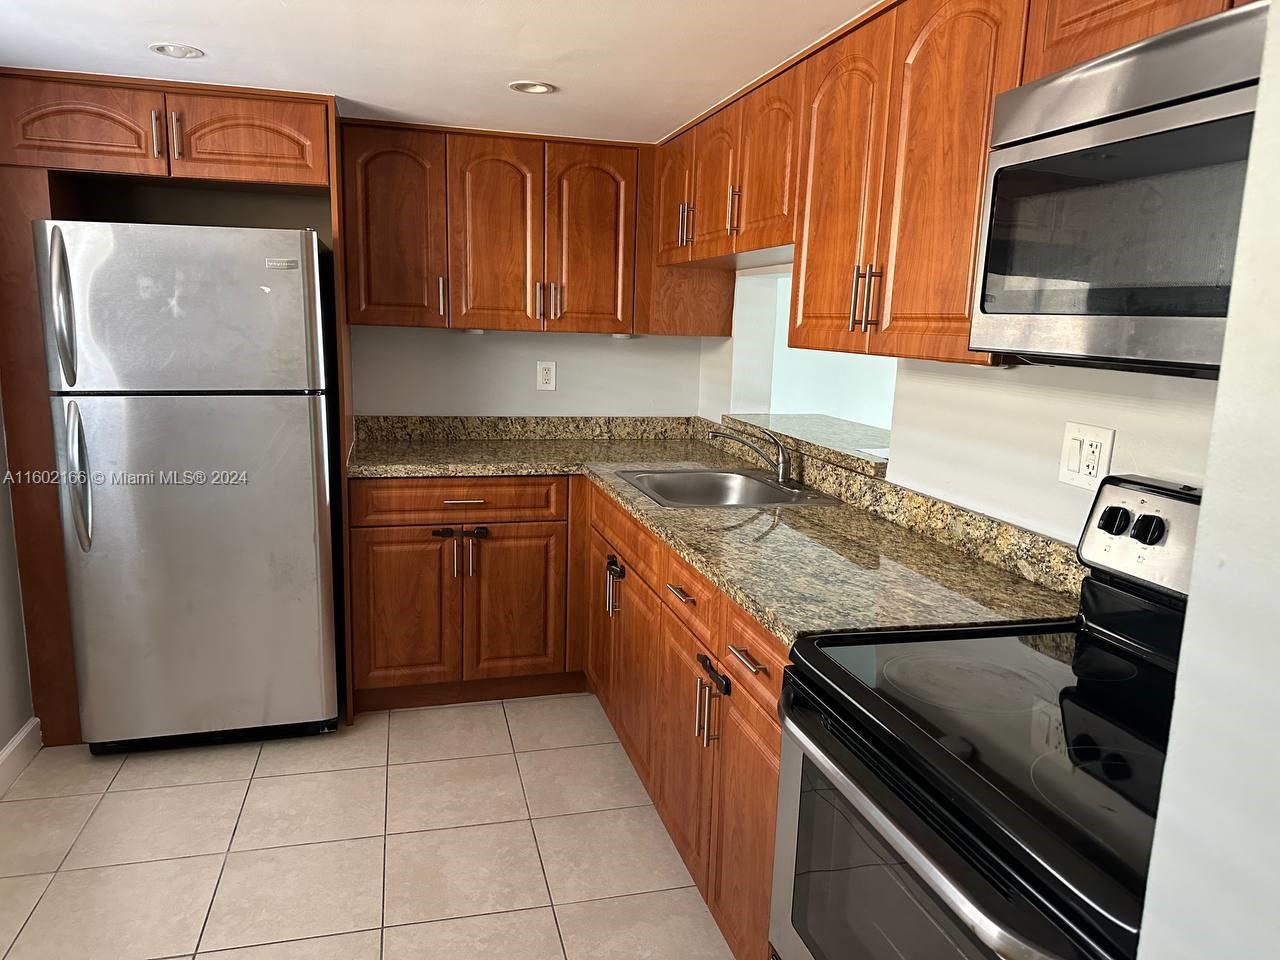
(846, 110)
(406, 607)
(495, 232)
(1062, 33)
(673, 193)
(215, 137)
(513, 596)
(591, 238)
(393, 197)
(715, 178)
(951, 59)
(81, 126)
(769, 163)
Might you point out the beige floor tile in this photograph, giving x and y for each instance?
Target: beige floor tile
(342, 946)
(159, 824)
(524, 935)
(613, 853)
(673, 923)
(121, 913)
(454, 793)
(289, 893)
(543, 723)
(449, 733)
(18, 896)
(313, 807)
(364, 744)
(173, 768)
(462, 872)
(64, 772)
(36, 834)
(579, 779)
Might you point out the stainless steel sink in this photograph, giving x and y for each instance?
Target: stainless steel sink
(720, 488)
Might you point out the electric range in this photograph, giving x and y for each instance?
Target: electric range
(988, 791)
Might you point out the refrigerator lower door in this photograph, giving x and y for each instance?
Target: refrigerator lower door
(197, 540)
(141, 308)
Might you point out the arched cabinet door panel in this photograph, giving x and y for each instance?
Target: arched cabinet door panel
(846, 107)
(673, 192)
(769, 163)
(952, 57)
(715, 177)
(82, 126)
(591, 237)
(214, 137)
(396, 240)
(496, 232)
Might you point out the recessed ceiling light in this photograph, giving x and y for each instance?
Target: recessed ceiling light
(179, 51)
(532, 86)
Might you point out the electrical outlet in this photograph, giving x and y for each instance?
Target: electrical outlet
(1086, 454)
(546, 375)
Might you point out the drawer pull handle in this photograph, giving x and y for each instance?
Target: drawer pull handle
(461, 503)
(682, 596)
(747, 660)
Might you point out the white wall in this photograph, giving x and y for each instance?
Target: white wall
(15, 689)
(401, 370)
(989, 439)
(1215, 867)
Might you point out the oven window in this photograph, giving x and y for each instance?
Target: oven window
(852, 898)
(1141, 228)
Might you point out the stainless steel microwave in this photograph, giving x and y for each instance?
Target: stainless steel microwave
(1113, 202)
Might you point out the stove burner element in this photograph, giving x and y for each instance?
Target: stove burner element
(1131, 774)
(962, 683)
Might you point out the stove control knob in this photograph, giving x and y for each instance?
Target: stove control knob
(1148, 529)
(1114, 520)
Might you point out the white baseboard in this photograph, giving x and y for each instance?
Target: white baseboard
(17, 753)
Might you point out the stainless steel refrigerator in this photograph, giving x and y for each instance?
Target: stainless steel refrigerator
(187, 387)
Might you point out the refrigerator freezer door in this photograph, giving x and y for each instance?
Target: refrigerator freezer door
(197, 604)
(136, 308)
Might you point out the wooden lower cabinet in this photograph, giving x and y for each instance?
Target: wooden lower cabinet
(513, 600)
(406, 607)
(636, 619)
(599, 656)
(682, 763)
(745, 803)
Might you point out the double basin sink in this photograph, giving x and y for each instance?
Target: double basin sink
(720, 488)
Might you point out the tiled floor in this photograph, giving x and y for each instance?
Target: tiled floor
(513, 830)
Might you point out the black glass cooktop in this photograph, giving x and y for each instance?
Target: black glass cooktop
(1068, 728)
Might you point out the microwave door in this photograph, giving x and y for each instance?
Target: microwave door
(1115, 244)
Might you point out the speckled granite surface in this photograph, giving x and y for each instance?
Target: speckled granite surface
(423, 429)
(795, 569)
(841, 442)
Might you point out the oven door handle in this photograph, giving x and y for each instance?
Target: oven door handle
(1004, 942)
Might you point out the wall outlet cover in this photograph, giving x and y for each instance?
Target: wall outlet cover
(546, 375)
(1086, 454)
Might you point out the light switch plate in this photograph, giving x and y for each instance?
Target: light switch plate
(1086, 454)
(546, 375)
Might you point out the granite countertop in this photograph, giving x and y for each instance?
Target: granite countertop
(795, 569)
(857, 446)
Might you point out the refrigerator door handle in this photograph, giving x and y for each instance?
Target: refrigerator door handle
(78, 484)
(64, 313)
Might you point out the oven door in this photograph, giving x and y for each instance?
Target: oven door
(859, 875)
(1114, 244)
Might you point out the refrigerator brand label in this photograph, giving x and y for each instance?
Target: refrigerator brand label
(279, 263)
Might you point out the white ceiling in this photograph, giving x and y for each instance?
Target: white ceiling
(627, 69)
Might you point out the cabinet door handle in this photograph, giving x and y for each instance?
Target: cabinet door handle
(728, 209)
(440, 296)
(872, 276)
(707, 693)
(608, 590)
(737, 210)
(697, 706)
(455, 558)
(853, 298)
(688, 229)
(682, 596)
(175, 134)
(680, 225)
(155, 134)
(747, 660)
(461, 503)
(537, 296)
(471, 557)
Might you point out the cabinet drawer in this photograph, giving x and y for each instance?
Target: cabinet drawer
(757, 664)
(629, 537)
(381, 503)
(691, 596)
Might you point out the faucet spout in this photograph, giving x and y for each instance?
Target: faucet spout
(779, 463)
